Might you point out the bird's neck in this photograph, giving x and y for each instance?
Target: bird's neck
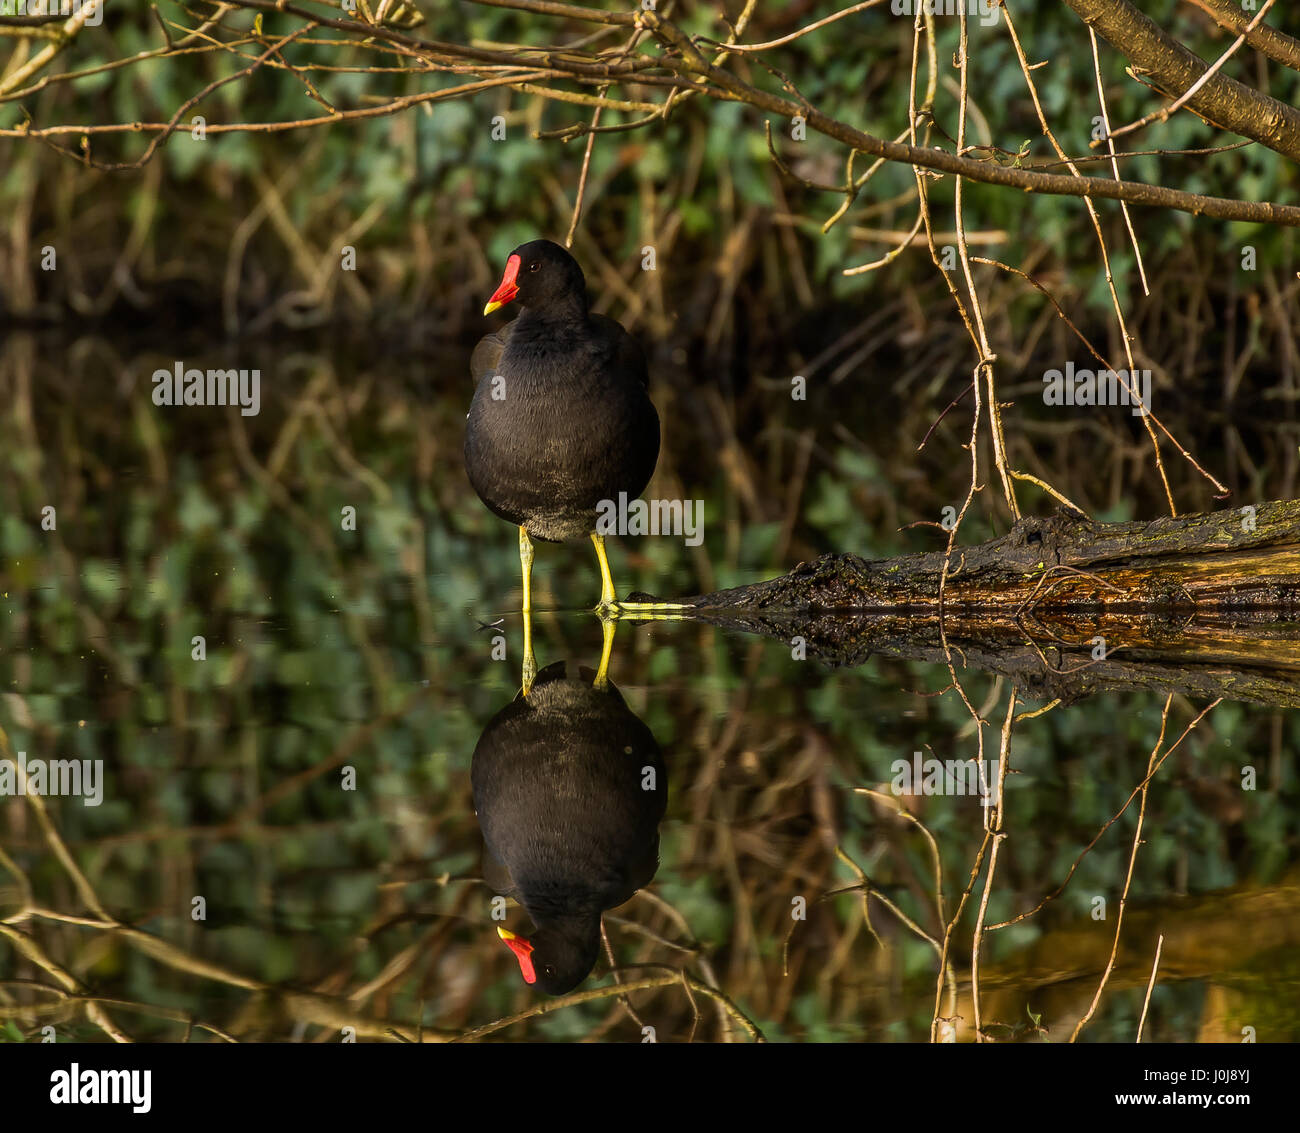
(575, 925)
(569, 311)
(561, 906)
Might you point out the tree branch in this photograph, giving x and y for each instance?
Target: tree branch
(1264, 39)
(1221, 101)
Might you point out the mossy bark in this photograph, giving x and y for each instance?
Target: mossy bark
(1205, 605)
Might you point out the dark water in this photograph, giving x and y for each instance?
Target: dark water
(286, 844)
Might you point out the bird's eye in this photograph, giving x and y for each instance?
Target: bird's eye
(548, 970)
(536, 265)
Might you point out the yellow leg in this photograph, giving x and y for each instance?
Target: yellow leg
(607, 626)
(607, 601)
(526, 566)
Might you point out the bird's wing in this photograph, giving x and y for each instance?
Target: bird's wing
(496, 874)
(639, 872)
(487, 354)
(628, 356)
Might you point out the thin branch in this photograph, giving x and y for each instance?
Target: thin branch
(1151, 983)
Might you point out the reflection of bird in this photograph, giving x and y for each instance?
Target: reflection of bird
(569, 787)
(560, 420)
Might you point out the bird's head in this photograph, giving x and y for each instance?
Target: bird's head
(558, 957)
(541, 275)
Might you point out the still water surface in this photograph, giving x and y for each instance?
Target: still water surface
(286, 802)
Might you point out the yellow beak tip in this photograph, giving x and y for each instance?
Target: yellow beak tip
(505, 933)
(490, 307)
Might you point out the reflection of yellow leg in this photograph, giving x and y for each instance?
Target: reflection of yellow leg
(606, 580)
(526, 566)
(607, 626)
(530, 662)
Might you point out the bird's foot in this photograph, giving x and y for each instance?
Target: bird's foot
(652, 610)
(641, 611)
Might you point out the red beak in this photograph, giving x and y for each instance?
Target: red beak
(505, 291)
(517, 944)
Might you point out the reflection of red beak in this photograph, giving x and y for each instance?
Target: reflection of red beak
(506, 291)
(517, 944)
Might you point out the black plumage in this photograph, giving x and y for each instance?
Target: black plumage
(569, 787)
(561, 419)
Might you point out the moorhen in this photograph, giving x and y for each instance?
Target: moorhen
(569, 787)
(560, 419)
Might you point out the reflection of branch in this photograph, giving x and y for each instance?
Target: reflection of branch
(993, 829)
(1140, 788)
(332, 1012)
(28, 947)
(1151, 984)
(946, 976)
(645, 983)
(62, 997)
(312, 1007)
(1152, 767)
(319, 1009)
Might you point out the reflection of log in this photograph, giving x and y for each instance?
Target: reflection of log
(1205, 936)
(1206, 660)
(1245, 939)
(1205, 605)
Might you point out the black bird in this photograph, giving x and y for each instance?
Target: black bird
(569, 787)
(560, 420)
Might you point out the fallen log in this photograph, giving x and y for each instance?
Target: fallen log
(1235, 559)
(1204, 605)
